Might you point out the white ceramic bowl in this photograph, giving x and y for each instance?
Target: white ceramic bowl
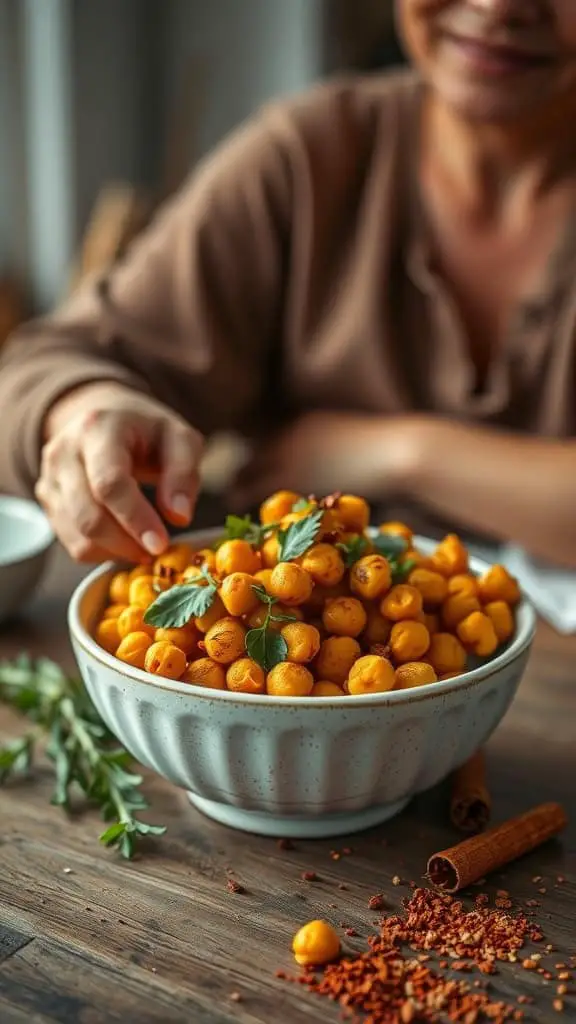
(297, 767)
(25, 540)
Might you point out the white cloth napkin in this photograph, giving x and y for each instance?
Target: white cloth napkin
(551, 590)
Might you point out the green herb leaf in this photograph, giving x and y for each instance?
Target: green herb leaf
(390, 545)
(299, 536)
(239, 527)
(175, 607)
(16, 757)
(283, 618)
(266, 647)
(301, 505)
(353, 549)
(262, 594)
(400, 571)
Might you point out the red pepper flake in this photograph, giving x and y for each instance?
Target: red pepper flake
(524, 1000)
(562, 990)
(529, 964)
(565, 976)
(376, 902)
(558, 1005)
(347, 851)
(335, 855)
(351, 932)
(309, 876)
(233, 886)
(560, 879)
(461, 965)
(543, 891)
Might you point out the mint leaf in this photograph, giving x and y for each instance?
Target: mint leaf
(353, 549)
(301, 505)
(266, 647)
(390, 545)
(400, 571)
(299, 536)
(239, 527)
(175, 607)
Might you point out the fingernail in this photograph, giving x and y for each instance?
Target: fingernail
(153, 542)
(182, 506)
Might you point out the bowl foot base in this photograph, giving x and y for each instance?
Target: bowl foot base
(326, 826)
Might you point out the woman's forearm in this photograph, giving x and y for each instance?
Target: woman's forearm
(519, 489)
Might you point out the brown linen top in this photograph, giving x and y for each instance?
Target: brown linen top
(293, 272)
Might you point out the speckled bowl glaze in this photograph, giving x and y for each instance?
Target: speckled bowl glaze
(297, 767)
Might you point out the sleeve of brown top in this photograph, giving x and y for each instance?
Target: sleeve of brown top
(188, 315)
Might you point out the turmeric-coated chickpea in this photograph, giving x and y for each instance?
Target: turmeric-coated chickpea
(258, 617)
(263, 578)
(270, 552)
(290, 583)
(207, 673)
(409, 640)
(331, 526)
(378, 628)
(449, 675)
(289, 680)
(173, 561)
(139, 570)
(371, 674)
(294, 517)
(502, 619)
(320, 595)
(335, 659)
(397, 530)
(325, 564)
(236, 556)
(132, 621)
(119, 588)
(113, 611)
(184, 637)
(464, 583)
(353, 512)
(414, 673)
(431, 620)
(215, 612)
(432, 586)
(446, 654)
(457, 607)
(402, 602)
(344, 616)
(277, 506)
(417, 559)
(205, 559)
(315, 943)
(370, 577)
(477, 633)
(145, 589)
(450, 557)
(303, 642)
(324, 688)
(163, 659)
(107, 635)
(225, 641)
(133, 648)
(246, 676)
(237, 593)
(498, 585)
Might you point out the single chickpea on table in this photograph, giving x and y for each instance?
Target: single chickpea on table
(308, 602)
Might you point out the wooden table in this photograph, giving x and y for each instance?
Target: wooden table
(88, 939)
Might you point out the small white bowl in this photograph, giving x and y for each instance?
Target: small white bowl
(299, 767)
(25, 541)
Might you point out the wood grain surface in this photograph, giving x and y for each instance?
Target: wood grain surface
(88, 939)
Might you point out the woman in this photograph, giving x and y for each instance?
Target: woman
(384, 270)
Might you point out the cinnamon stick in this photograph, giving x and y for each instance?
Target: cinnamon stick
(476, 857)
(470, 802)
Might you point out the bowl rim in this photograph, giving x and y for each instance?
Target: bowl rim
(468, 680)
(25, 510)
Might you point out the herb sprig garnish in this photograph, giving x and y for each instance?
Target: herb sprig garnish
(244, 528)
(299, 536)
(264, 645)
(174, 608)
(353, 549)
(85, 754)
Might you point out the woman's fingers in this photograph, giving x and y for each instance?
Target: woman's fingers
(180, 454)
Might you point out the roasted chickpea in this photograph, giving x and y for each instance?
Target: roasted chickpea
(205, 672)
(119, 588)
(417, 559)
(107, 635)
(446, 654)
(145, 589)
(431, 585)
(290, 583)
(185, 638)
(270, 552)
(335, 659)
(246, 676)
(409, 641)
(294, 517)
(133, 648)
(498, 585)
(277, 506)
(236, 556)
(463, 584)
(397, 530)
(132, 621)
(203, 559)
(320, 595)
(457, 607)
(173, 561)
(315, 943)
(402, 602)
(325, 564)
(449, 675)
(323, 688)
(258, 617)
(450, 557)
(353, 512)
(139, 570)
(344, 616)
(377, 627)
(225, 641)
(370, 577)
(502, 619)
(431, 620)
(371, 674)
(113, 611)
(477, 633)
(237, 593)
(215, 612)
(263, 578)
(163, 659)
(414, 673)
(303, 642)
(289, 680)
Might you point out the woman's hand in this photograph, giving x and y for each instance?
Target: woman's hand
(102, 441)
(325, 452)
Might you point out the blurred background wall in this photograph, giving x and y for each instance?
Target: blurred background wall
(96, 92)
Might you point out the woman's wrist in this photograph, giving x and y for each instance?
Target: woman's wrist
(79, 398)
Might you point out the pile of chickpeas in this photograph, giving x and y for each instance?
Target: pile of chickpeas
(353, 630)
